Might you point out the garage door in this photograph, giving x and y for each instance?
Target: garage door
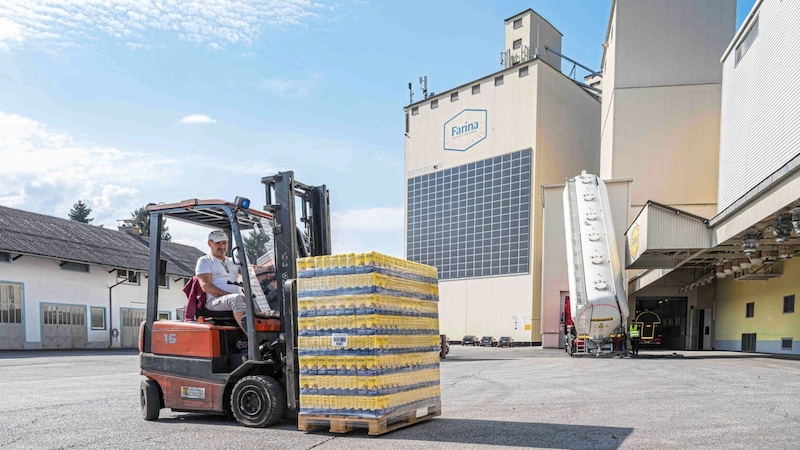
(12, 329)
(63, 326)
(131, 319)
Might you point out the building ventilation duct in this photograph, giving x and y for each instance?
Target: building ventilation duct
(750, 242)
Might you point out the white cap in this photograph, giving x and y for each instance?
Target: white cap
(217, 236)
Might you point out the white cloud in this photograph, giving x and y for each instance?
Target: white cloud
(47, 171)
(289, 88)
(10, 34)
(198, 118)
(212, 23)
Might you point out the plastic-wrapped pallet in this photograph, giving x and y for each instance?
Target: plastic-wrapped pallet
(368, 330)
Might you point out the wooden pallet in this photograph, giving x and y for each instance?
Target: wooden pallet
(376, 425)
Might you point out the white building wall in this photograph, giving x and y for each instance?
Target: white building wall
(543, 111)
(45, 282)
(760, 125)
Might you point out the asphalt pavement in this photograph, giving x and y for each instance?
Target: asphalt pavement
(524, 397)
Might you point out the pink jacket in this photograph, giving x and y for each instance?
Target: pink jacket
(196, 299)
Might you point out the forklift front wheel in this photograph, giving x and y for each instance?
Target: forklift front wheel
(258, 401)
(151, 399)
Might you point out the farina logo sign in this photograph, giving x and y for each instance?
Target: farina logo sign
(465, 130)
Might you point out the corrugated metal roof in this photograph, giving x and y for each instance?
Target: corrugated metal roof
(45, 236)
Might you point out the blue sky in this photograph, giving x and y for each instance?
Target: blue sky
(124, 102)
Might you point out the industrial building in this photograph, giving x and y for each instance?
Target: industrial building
(474, 157)
(699, 144)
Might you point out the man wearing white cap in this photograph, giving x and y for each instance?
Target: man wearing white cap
(215, 271)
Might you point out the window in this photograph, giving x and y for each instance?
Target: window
(77, 267)
(786, 343)
(98, 318)
(128, 276)
(415, 110)
(434, 104)
(454, 97)
(476, 89)
(788, 304)
(518, 23)
(517, 44)
(10, 303)
(163, 281)
(746, 42)
(5, 256)
(163, 316)
(523, 71)
(408, 125)
(498, 80)
(750, 310)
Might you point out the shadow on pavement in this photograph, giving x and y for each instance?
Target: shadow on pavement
(509, 434)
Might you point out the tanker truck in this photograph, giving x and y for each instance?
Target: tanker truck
(597, 307)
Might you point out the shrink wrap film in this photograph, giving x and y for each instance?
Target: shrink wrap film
(368, 335)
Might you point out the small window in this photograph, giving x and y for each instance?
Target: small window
(454, 97)
(163, 316)
(788, 304)
(5, 257)
(408, 127)
(523, 71)
(434, 104)
(98, 318)
(77, 267)
(750, 310)
(517, 44)
(415, 110)
(498, 80)
(128, 276)
(163, 281)
(476, 89)
(746, 42)
(786, 343)
(518, 23)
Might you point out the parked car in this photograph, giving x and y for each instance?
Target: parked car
(505, 341)
(488, 341)
(470, 340)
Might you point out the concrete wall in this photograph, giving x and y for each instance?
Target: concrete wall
(769, 322)
(44, 281)
(661, 99)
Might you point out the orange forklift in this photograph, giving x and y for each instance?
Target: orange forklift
(211, 365)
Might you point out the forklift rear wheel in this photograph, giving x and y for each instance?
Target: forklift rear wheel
(151, 399)
(258, 401)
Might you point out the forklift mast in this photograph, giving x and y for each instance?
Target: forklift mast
(291, 243)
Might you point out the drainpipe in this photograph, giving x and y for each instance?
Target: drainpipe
(110, 314)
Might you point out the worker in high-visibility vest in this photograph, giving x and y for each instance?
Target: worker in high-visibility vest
(633, 332)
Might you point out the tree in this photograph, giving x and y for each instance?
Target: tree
(141, 220)
(80, 213)
(255, 245)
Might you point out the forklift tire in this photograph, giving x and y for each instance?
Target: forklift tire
(151, 399)
(258, 401)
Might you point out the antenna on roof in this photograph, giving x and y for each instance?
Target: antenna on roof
(423, 83)
(410, 94)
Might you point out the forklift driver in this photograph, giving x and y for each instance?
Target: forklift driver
(217, 274)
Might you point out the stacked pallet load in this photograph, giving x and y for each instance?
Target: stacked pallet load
(368, 342)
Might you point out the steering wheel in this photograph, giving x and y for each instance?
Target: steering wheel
(235, 255)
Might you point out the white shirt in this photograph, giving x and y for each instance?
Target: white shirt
(219, 275)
